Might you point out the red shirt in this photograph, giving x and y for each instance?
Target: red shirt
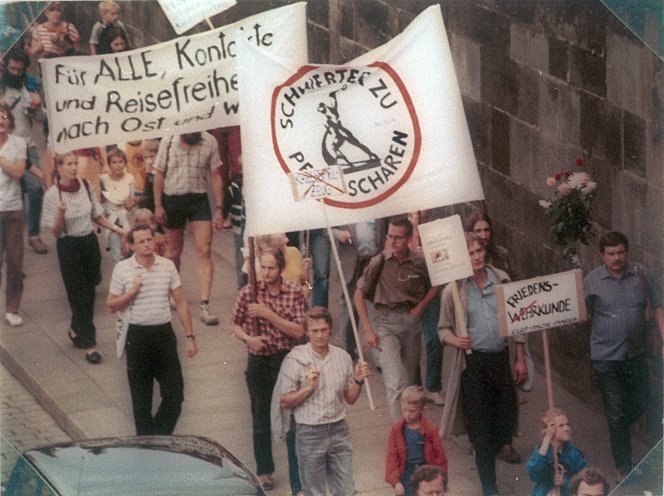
(288, 304)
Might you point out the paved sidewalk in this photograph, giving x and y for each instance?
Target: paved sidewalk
(93, 401)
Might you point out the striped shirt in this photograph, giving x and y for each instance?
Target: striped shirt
(288, 304)
(52, 39)
(326, 404)
(188, 166)
(151, 304)
(79, 212)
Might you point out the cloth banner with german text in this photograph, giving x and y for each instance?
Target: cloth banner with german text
(382, 135)
(184, 85)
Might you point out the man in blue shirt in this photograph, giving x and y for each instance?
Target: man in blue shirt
(617, 294)
(469, 322)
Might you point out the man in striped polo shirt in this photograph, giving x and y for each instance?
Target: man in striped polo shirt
(316, 381)
(144, 283)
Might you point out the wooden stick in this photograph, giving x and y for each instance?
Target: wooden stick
(549, 397)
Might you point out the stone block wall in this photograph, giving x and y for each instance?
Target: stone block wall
(543, 83)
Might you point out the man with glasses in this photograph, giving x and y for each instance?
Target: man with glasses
(398, 284)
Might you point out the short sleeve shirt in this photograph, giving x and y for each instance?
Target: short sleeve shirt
(326, 404)
(151, 304)
(186, 168)
(617, 308)
(399, 282)
(288, 304)
(10, 188)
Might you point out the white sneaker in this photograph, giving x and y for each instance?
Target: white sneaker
(436, 398)
(206, 316)
(14, 319)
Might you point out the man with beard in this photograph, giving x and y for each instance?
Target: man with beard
(20, 93)
(180, 195)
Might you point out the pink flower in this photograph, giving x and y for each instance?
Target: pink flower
(564, 189)
(550, 181)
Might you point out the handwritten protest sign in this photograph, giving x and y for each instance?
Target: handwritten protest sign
(184, 85)
(185, 14)
(540, 303)
(445, 250)
(318, 184)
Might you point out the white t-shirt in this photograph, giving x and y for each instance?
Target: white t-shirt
(10, 188)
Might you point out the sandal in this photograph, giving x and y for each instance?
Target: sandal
(266, 482)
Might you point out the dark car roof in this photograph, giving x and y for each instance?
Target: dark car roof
(152, 465)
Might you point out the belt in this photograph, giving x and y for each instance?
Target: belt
(405, 306)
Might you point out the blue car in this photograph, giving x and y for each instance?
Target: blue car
(139, 465)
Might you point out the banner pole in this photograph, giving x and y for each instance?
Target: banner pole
(351, 314)
(549, 398)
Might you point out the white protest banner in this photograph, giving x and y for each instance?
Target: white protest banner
(445, 250)
(183, 85)
(392, 119)
(185, 14)
(540, 303)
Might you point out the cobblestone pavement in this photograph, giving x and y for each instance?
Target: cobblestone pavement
(24, 423)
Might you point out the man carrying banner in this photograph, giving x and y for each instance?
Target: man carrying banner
(316, 381)
(270, 326)
(181, 194)
(469, 321)
(399, 282)
(617, 294)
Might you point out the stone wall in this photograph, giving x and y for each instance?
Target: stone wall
(543, 83)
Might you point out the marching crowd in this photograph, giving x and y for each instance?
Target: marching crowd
(145, 194)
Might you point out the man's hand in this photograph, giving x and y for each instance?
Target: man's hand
(258, 310)
(370, 336)
(160, 215)
(192, 349)
(362, 371)
(138, 281)
(417, 311)
(218, 219)
(398, 489)
(256, 343)
(313, 377)
(520, 371)
(463, 343)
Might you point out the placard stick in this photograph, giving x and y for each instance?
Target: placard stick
(351, 314)
(209, 23)
(460, 320)
(549, 398)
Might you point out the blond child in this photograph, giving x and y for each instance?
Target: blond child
(412, 441)
(136, 166)
(149, 153)
(117, 191)
(109, 11)
(556, 435)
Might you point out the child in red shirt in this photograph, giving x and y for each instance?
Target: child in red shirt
(412, 441)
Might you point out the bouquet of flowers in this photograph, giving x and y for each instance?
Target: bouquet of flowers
(569, 210)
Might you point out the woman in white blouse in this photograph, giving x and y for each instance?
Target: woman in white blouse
(70, 209)
(12, 166)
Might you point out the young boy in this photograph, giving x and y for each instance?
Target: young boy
(117, 187)
(556, 435)
(109, 12)
(412, 441)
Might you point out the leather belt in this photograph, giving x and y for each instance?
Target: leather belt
(405, 306)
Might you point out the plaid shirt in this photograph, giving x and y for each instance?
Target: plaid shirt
(288, 304)
(187, 168)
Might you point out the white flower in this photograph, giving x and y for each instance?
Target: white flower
(589, 187)
(545, 203)
(578, 180)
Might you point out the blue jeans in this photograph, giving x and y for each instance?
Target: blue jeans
(325, 459)
(320, 247)
(35, 194)
(434, 347)
(624, 388)
(399, 336)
